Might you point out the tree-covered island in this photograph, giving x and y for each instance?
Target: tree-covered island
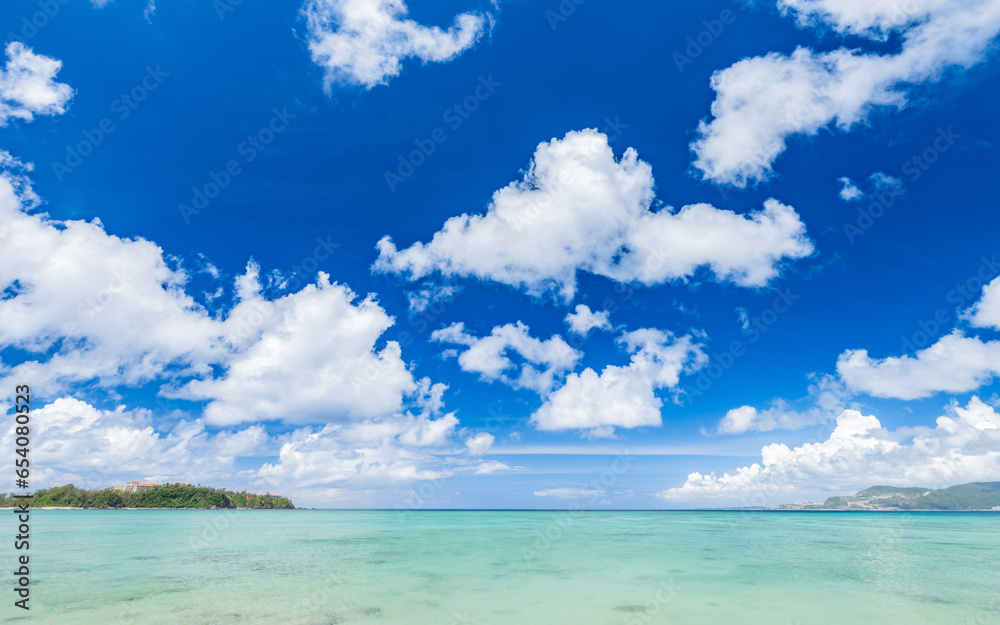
(176, 496)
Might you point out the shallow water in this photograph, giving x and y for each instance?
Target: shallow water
(303, 567)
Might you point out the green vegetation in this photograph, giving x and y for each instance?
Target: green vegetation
(170, 496)
(974, 496)
(875, 491)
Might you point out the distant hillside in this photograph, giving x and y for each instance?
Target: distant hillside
(875, 491)
(974, 496)
(171, 496)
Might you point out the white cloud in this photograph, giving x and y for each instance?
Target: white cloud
(849, 191)
(583, 320)
(622, 396)
(364, 42)
(986, 312)
(111, 308)
(738, 420)
(489, 356)
(963, 447)
(780, 416)
(744, 317)
(827, 398)
(479, 444)
(28, 86)
(422, 299)
(76, 442)
(93, 448)
(873, 19)
(315, 360)
(762, 101)
(368, 456)
(883, 181)
(954, 364)
(95, 308)
(579, 209)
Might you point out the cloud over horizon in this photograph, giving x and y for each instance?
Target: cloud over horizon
(964, 446)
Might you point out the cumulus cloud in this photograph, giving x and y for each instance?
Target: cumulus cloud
(622, 396)
(738, 420)
(78, 443)
(94, 311)
(762, 101)
(849, 191)
(479, 444)
(543, 362)
(315, 360)
(375, 456)
(28, 86)
(954, 364)
(964, 446)
(364, 42)
(577, 208)
(582, 320)
(94, 308)
(779, 416)
(827, 398)
(874, 19)
(92, 448)
(986, 312)
(100, 306)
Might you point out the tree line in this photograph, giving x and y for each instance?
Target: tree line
(169, 496)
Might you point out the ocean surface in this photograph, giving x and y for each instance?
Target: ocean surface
(305, 567)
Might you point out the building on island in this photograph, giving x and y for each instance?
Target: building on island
(135, 486)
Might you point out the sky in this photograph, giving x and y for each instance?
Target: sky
(470, 254)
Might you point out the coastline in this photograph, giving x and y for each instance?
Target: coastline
(76, 508)
(549, 510)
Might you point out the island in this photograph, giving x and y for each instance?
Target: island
(976, 496)
(150, 495)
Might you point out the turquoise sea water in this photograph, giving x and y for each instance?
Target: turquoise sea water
(512, 568)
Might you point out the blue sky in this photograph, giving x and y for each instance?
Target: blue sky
(833, 164)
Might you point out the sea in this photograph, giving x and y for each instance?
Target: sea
(321, 567)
